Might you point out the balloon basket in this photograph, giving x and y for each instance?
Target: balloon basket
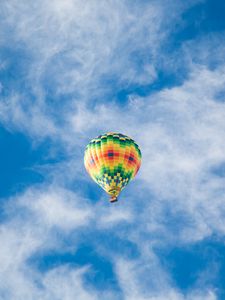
(113, 199)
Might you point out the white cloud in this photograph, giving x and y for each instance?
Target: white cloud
(67, 284)
(31, 220)
(57, 207)
(114, 216)
(71, 48)
(153, 285)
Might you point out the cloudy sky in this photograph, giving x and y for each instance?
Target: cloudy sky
(151, 69)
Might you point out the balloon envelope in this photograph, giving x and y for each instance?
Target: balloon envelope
(112, 160)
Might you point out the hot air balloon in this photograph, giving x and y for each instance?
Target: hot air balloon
(112, 160)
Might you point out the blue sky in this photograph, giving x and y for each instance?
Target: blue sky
(153, 70)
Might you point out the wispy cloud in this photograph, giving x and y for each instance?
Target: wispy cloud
(75, 52)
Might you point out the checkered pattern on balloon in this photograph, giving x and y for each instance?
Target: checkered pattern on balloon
(112, 160)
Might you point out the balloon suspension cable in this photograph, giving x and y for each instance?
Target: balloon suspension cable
(113, 199)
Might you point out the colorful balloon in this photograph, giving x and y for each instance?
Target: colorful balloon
(112, 160)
